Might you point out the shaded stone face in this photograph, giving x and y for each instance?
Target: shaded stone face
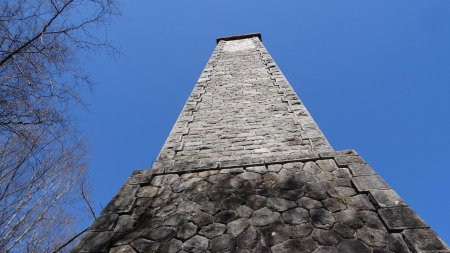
(246, 169)
(262, 216)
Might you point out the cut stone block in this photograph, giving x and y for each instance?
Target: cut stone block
(424, 240)
(366, 183)
(387, 198)
(361, 169)
(397, 218)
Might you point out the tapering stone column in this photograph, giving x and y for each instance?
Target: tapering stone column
(246, 169)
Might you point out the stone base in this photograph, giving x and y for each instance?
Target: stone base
(328, 202)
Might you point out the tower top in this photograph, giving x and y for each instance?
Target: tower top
(239, 37)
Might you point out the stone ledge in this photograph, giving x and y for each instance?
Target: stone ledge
(160, 168)
(239, 37)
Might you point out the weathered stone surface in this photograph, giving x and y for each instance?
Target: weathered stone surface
(361, 169)
(349, 217)
(274, 167)
(302, 230)
(341, 173)
(120, 205)
(386, 198)
(322, 218)
(250, 176)
(248, 239)
(423, 240)
(196, 244)
(145, 245)
(226, 216)
(333, 204)
(295, 216)
(325, 237)
(326, 249)
(104, 222)
(94, 242)
(352, 246)
(176, 219)
(295, 245)
(256, 202)
(288, 246)
(316, 191)
(372, 237)
(327, 165)
(148, 192)
(366, 183)
(232, 171)
(360, 202)
(344, 231)
(397, 244)
(275, 233)
(223, 243)
(312, 167)
(244, 211)
(236, 227)
(125, 223)
(213, 230)
(122, 249)
(257, 169)
(165, 180)
(280, 204)
(232, 202)
(348, 160)
(161, 234)
(140, 177)
(371, 220)
(188, 207)
(186, 231)
(400, 218)
(309, 203)
(172, 246)
(202, 219)
(265, 216)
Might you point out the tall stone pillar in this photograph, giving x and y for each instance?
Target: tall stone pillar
(246, 169)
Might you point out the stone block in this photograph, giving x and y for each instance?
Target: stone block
(424, 240)
(196, 244)
(398, 218)
(348, 159)
(140, 177)
(361, 169)
(122, 249)
(366, 183)
(94, 242)
(120, 205)
(104, 222)
(386, 198)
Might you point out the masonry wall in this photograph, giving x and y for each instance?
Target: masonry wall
(241, 109)
(246, 169)
(330, 202)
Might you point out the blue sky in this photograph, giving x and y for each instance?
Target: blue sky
(375, 75)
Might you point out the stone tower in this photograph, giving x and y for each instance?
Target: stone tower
(246, 169)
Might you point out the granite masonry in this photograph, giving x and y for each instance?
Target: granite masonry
(246, 169)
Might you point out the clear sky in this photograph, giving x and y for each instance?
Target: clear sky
(375, 75)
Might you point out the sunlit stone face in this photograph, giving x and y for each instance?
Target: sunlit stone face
(237, 45)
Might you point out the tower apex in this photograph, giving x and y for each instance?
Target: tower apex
(239, 37)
